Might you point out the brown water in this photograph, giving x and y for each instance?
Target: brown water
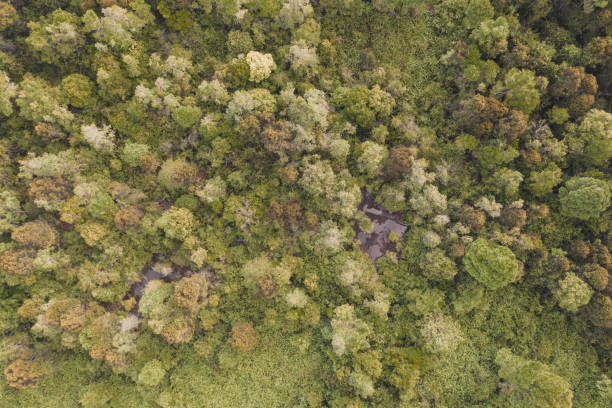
(377, 243)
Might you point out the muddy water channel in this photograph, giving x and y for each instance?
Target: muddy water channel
(377, 243)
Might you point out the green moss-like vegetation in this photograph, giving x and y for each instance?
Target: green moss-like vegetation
(276, 373)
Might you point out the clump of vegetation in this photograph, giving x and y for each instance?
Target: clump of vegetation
(491, 264)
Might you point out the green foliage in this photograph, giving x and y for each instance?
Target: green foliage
(592, 142)
(543, 182)
(437, 266)
(239, 42)
(476, 12)
(362, 383)
(535, 384)
(362, 104)
(187, 116)
(349, 333)
(8, 15)
(371, 160)
(10, 211)
(213, 192)
(558, 115)
(572, 292)
(492, 36)
(133, 153)
(39, 102)
(491, 264)
(9, 90)
(440, 333)
(492, 156)
(117, 26)
(253, 379)
(151, 374)
(507, 183)
(522, 90)
(63, 388)
(55, 37)
(79, 90)
(102, 206)
(187, 201)
(176, 174)
(177, 223)
(584, 198)
(238, 73)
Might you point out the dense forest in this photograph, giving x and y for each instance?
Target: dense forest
(305, 203)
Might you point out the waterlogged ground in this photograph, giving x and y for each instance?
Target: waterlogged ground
(378, 242)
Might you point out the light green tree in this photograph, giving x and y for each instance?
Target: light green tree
(178, 223)
(542, 182)
(10, 211)
(572, 292)
(40, 102)
(584, 198)
(522, 92)
(349, 333)
(55, 37)
(492, 36)
(79, 90)
(491, 264)
(372, 158)
(8, 90)
(476, 12)
(151, 374)
(592, 141)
